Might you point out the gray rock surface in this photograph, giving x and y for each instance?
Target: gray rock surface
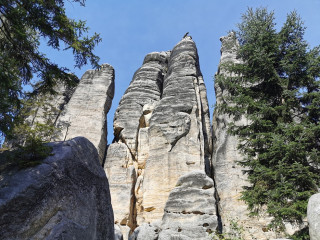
(162, 131)
(122, 177)
(190, 212)
(52, 105)
(178, 135)
(117, 233)
(313, 214)
(145, 231)
(145, 88)
(85, 113)
(65, 197)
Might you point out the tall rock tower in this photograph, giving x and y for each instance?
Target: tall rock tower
(162, 135)
(228, 174)
(86, 112)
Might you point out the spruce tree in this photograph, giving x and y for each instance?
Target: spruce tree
(277, 89)
(23, 23)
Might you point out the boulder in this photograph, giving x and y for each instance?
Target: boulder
(313, 214)
(145, 231)
(65, 197)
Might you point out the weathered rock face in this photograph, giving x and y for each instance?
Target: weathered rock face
(85, 114)
(162, 131)
(145, 88)
(122, 177)
(228, 175)
(178, 135)
(314, 217)
(65, 197)
(190, 212)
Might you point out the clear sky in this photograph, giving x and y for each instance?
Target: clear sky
(132, 28)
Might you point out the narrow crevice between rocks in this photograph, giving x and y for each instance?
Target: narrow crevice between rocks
(220, 226)
(116, 134)
(105, 155)
(133, 208)
(67, 130)
(199, 114)
(122, 140)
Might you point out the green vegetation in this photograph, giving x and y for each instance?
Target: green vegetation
(29, 136)
(23, 23)
(277, 89)
(27, 125)
(29, 155)
(235, 232)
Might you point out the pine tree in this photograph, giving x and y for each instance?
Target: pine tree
(22, 24)
(277, 89)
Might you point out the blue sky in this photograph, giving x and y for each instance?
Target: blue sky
(132, 28)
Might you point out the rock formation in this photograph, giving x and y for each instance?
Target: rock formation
(229, 176)
(49, 107)
(190, 212)
(85, 114)
(161, 132)
(65, 197)
(169, 178)
(314, 216)
(77, 111)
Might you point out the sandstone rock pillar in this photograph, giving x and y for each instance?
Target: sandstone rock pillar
(178, 133)
(85, 113)
(162, 132)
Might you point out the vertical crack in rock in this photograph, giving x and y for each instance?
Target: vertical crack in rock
(126, 155)
(206, 126)
(85, 114)
(144, 88)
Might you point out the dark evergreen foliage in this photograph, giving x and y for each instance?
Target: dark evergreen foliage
(22, 24)
(277, 90)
